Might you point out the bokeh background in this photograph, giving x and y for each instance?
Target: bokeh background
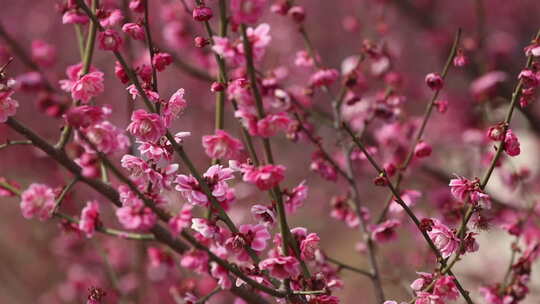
(40, 264)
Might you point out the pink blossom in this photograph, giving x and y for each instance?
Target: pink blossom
(342, 210)
(239, 90)
(264, 177)
(151, 95)
(95, 296)
(74, 17)
(444, 238)
(89, 164)
(309, 245)
(137, 5)
(496, 132)
(202, 13)
(222, 145)
(158, 257)
(272, 123)
(221, 275)
(259, 38)
(320, 165)
(136, 216)
(533, 49)
(295, 198)
(85, 116)
(106, 137)
(182, 220)
(88, 87)
(146, 126)
(134, 30)
(204, 227)
(109, 40)
(195, 260)
(409, 197)
(111, 18)
(134, 165)
(216, 177)
(162, 60)
(325, 77)
(442, 106)
(463, 189)
(8, 105)
(492, 295)
(460, 60)
(424, 281)
(529, 78)
(224, 48)
(38, 200)
(445, 288)
(511, 144)
(154, 151)
(303, 59)
(281, 267)
(247, 11)
(127, 197)
(460, 187)
(422, 149)
(434, 81)
(175, 107)
(426, 298)
(324, 299)
(89, 218)
(255, 236)
(248, 120)
(120, 73)
(385, 231)
(297, 13)
(43, 53)
(263, 214)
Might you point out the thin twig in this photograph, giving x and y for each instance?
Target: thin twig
(10, 143)
(427, 115)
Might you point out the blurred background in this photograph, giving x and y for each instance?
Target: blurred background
(39, 263)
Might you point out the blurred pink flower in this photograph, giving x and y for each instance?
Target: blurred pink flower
(162, 60)
(38, 200)
(247, 11)
(134, 30)
(89, 218)
(8, 105)
(136, 216)
(385, 231)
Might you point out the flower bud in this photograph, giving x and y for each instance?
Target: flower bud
(201, 42)
(297, 13)
(380, 181)
(422, 149)
(217, 86)
(434, 81)
(496, 132)
(202, 13)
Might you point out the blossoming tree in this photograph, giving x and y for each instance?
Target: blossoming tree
(163, 197)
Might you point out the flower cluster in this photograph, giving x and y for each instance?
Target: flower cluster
(235, 194)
